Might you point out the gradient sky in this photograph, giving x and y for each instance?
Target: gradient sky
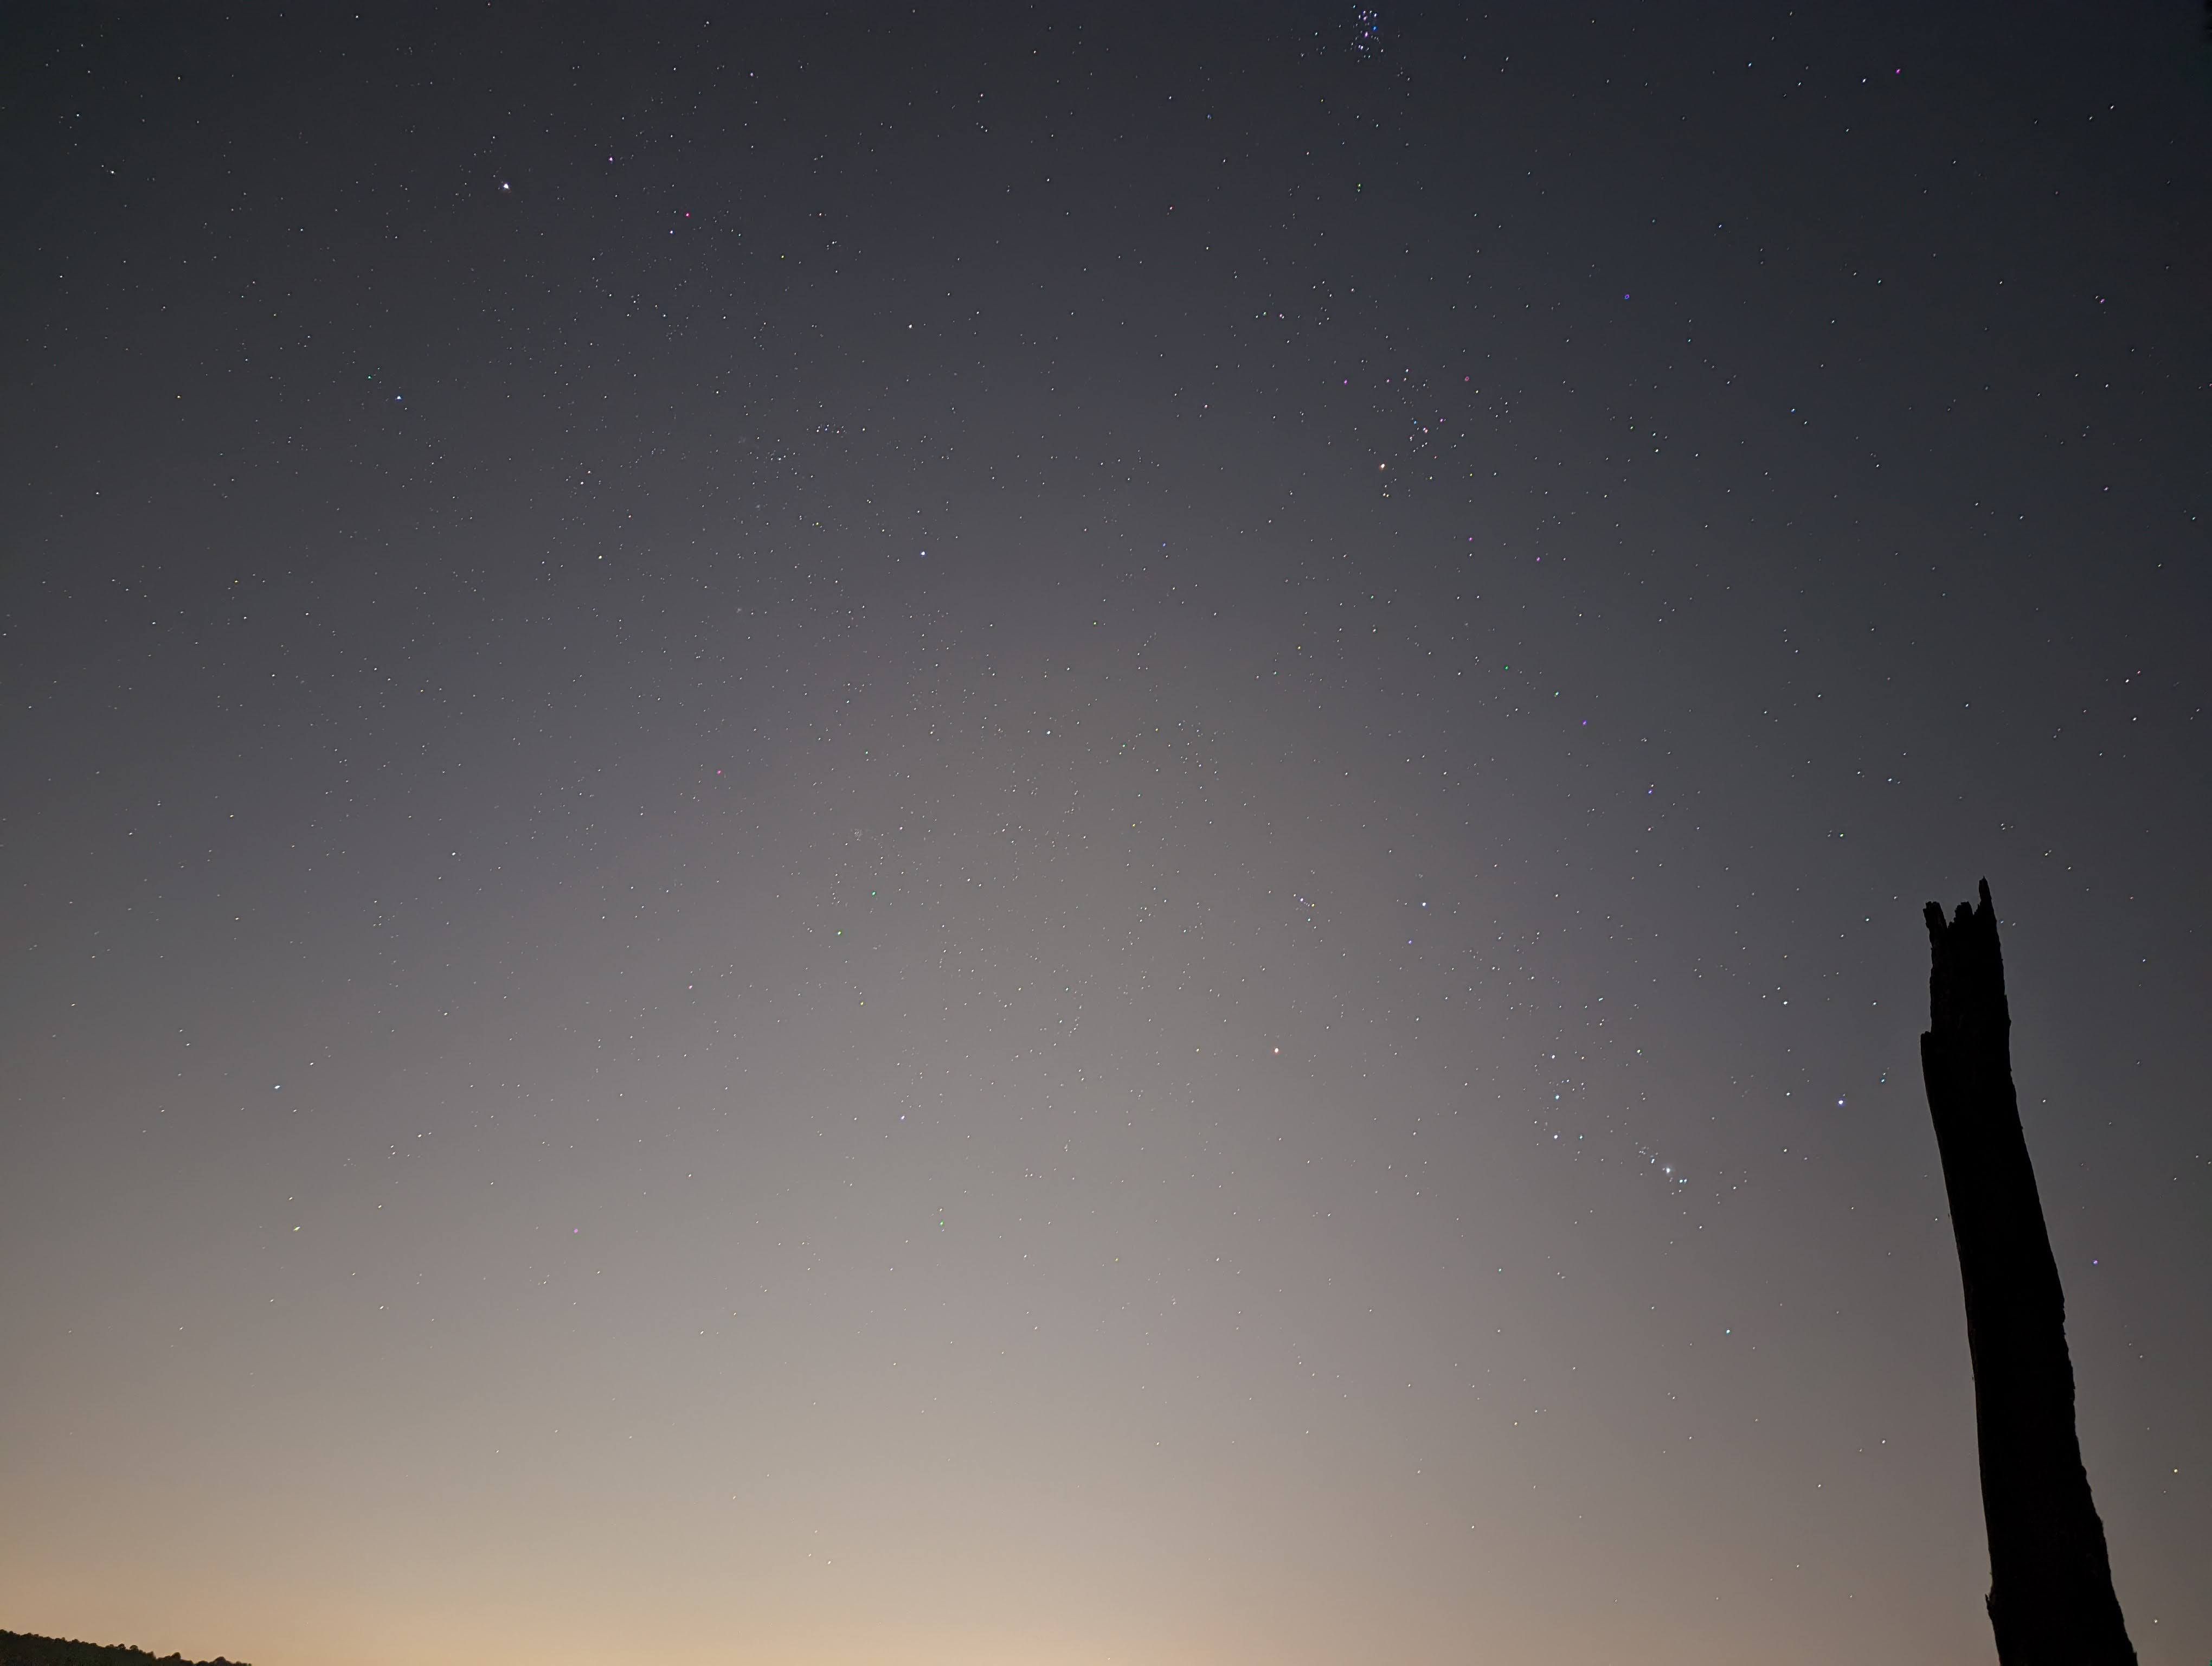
(1018, 835)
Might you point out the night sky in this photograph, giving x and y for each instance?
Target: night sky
(1001, 837)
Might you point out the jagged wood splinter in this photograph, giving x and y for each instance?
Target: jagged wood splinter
(2051, 1598)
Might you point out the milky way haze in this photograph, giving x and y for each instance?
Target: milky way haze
(1006, 836)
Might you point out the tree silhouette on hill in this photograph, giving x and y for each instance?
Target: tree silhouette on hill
(21, 1648)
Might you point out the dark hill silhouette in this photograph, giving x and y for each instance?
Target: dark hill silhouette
(2050, 1601)
(20, 1649)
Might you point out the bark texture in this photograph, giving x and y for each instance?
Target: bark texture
(2051, 1599)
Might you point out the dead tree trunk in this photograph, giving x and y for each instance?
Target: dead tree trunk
(2051, 1598)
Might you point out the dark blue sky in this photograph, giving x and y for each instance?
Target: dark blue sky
(986, 835)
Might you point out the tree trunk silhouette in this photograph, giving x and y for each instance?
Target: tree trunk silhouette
(2051, 1598)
